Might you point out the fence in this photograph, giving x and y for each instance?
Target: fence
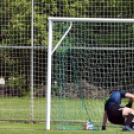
(23, 48)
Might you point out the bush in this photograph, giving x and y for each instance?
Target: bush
(17, 83)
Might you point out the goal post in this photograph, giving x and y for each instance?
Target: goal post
(105, 47)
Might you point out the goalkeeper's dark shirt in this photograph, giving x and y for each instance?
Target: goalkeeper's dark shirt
(114, 99)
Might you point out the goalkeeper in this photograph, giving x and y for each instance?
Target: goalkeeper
(117, 114)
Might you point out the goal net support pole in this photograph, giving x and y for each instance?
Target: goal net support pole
(48, 105)
(50, 52)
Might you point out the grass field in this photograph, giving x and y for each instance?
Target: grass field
(62, 110)
(39, 128)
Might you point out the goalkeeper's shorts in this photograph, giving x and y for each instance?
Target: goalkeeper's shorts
(115, 115)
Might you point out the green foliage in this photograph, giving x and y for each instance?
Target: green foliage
(18, 83)
(54, 88)
(15, 24)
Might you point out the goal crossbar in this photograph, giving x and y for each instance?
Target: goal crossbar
(107, 20)
(71, 20)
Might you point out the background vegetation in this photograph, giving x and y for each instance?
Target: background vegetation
(15, 30)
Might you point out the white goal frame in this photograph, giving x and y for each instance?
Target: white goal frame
(50, 51)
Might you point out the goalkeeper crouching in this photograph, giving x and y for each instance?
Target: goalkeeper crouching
(117, 114)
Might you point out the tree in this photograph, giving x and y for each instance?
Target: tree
(15, 28)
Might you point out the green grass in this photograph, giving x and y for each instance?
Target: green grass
(62, 110)
(76, 110)
(39, 128)
(20, 108)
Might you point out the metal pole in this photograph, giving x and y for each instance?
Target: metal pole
(48, 103)
(92, 20)
(65, 47)
(32, 61)
(23, 47)
(62, 38)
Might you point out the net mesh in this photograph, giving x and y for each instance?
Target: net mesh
(15, 57)
(92, 60)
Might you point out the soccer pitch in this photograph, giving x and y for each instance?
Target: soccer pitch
(22, 128)
(19, 109)
(11, 108)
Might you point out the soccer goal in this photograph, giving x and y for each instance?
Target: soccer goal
(87, 59)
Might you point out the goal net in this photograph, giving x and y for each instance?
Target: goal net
(87, 59)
